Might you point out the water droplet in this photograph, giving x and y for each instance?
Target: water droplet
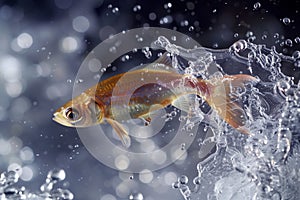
(197, 180)
(264, 37)
(166, 20)
(286, 21)
(69, 81)
(12, 177)
(249, 34)
(236, 35)
(176, 185)
(297, 40)
(182, 146)
(283, 85)
(276, 35)
(79, 81)
(137, 8)
(289, 42)
(184, 23)
(113, 49)
(137, 196)
(183, 180)
(56, 175)
(239, 46)
(125, 58)
(152, 16)
(191, 28)
(147, 52)
(168, 5)
(256, 6)
(140, 39)
(115, 10)
(296, 55)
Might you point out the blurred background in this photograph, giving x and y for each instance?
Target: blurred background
(42, 45)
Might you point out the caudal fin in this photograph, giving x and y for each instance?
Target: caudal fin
(224, 98)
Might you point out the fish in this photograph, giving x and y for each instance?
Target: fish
(138, 93)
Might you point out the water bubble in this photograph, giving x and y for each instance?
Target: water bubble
(81, 24)
(69, 45)
(11, 177)
(236, 35)
(286, 21)
(182, 146)
(239, 46)
(56, 175)
(296, 55)
(176, 185)
(113, 49)
(147, 52)
(152, 16)
(289, 42)
(125, 58)
(79, 80)
(283, 85)
(168, 5)
(24, 40)
(264, 37)
(257, 5)
(190, 5)
(197, 180)
(183, 179)
(184, 23)
(62, 194)
(137, 8)
(166, 20)
(137, 196)
(191, 28)
(115, 10)
(276, 35)
(297, 40)
(249, 34)
(140, 39)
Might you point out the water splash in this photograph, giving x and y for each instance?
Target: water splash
(264, 164)
(8, 190)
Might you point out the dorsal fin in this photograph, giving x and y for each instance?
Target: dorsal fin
(163, 63)
(164, 59)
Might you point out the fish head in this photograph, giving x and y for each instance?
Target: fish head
(79, 112)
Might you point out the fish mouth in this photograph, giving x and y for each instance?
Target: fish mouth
(59, 119)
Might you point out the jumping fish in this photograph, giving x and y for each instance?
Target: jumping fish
(133, 95)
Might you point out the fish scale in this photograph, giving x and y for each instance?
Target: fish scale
(137, 93)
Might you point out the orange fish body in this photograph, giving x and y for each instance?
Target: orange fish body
(138, 93)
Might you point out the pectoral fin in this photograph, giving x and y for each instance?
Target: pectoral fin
(185, 102)
(122, 133)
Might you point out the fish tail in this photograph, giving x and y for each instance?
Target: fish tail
(223, 96)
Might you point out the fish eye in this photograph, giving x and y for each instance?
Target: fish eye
(72, 114)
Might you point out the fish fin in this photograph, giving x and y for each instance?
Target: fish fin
(121, 132)
(185, 102)
(164, 59)
(152, 114)
(147, 120)
(227, 104)
(163, 63)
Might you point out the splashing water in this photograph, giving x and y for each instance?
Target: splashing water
(264, 164)
(48, 192)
